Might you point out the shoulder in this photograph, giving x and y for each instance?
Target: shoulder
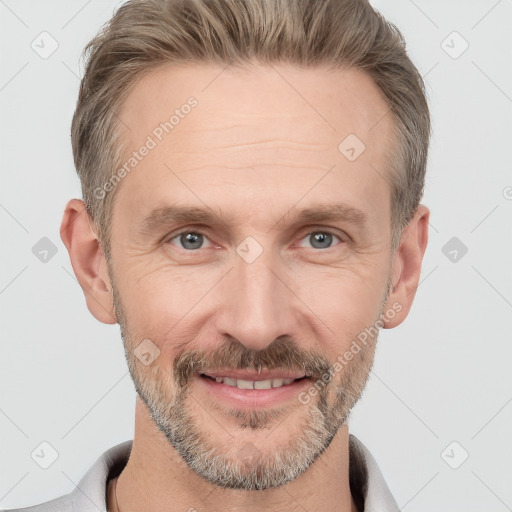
(64, 503)
(90, 493)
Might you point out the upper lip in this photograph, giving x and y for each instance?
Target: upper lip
(253, 375)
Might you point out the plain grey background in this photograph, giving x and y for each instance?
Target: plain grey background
(437, 413)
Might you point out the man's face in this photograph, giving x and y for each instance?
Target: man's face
(255, 286)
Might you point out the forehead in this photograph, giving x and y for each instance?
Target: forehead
(327, 101)
(264, 129)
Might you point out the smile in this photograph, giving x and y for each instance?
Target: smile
(250, 390)
(252, 384)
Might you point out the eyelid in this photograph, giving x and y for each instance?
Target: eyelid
(332, 230)
(199, 229)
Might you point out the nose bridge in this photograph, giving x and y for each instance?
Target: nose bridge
(257, 306)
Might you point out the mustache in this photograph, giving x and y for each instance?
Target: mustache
(282, 354)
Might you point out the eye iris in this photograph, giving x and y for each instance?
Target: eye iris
(324, 239)
(195, 239)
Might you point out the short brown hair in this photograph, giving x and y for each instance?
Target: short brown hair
(145, 34)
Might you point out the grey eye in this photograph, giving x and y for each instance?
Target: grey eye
(320, 240)
(189, 240)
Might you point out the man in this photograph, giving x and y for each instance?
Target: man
(251, 173)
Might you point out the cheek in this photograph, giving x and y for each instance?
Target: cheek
(344, 301)
(161, 303)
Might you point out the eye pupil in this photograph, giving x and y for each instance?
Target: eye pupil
(195, 239)
(323, 239)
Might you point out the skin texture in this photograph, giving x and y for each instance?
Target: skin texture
(261, 145)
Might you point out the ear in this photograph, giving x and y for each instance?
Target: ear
(88, 260)
(406, 267)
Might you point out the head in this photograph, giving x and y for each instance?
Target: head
(251, 176)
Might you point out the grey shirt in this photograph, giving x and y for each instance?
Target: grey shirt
(367, 485)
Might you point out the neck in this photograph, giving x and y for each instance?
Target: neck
(156, 478)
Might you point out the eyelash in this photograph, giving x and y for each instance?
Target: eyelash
(309, 233)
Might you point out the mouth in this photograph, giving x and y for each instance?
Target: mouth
(250, 390)
(239, 383)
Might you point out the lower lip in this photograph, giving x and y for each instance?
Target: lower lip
(253, 398)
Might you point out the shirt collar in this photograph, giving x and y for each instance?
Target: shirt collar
(366, 481)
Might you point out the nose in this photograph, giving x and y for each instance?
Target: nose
(257, 305)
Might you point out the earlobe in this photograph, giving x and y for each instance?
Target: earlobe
(406, 267)
(87, 260)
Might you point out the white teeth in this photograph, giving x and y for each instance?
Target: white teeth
(245, 384)
(263, 384)
(228, 381)
(251, 384)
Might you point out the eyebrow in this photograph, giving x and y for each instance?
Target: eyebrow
(331, 213)
(170, 215)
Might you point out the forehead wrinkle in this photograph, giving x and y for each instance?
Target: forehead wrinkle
(271, 132)
(272, 143)
(265, 166)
